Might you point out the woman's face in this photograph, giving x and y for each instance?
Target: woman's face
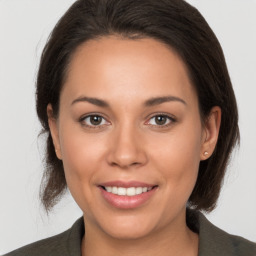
(129, 123)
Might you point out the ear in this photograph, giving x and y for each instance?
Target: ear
(53, 125)
(210, 133)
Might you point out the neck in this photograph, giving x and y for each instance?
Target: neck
(170, 240)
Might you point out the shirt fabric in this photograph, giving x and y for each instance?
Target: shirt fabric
(212, 241)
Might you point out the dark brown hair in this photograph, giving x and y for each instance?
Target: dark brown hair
(172, 22)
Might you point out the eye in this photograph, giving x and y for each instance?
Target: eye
(162, 120)
(93, 121)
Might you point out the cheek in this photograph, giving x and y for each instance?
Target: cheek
(177, 158)
(81, 156)
(78, 148)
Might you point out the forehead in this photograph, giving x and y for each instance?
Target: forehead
(112, 66)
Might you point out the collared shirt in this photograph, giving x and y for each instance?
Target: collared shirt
(212, 241)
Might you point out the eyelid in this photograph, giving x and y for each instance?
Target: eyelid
(169, 116)
(82, 118)
(154, 115)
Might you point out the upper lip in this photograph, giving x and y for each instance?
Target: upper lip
(126, 184)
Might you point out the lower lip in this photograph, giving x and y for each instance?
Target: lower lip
(127, 202)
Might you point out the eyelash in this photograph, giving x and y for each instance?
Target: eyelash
(82, 119)
(171, 118)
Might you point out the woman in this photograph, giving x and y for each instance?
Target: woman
(141, 119)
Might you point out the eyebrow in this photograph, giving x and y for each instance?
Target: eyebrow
(159, 100)
(94, 101)
(148, 103)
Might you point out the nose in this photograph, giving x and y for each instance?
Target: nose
(126, 148)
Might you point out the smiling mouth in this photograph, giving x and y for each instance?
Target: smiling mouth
(130, 191)
(127, 195)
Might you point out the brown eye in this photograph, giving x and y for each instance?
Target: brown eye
(161, 120)
(93, 121)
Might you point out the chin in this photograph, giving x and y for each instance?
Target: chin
(128, 227)
(131, 234)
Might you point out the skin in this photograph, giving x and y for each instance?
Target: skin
(130, 144)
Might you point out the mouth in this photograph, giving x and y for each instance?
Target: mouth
(130, 191)
(127, 195)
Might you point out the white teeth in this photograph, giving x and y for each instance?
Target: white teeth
(132, 191)
(138, 191)
(109, 189)
(121, 191)
(114, 190)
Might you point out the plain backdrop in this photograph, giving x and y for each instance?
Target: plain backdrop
(24, 28)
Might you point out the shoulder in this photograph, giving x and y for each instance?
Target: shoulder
(46, 246)
(56, 245)
(214, 241)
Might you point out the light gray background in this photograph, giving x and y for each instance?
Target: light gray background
(24, 28)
